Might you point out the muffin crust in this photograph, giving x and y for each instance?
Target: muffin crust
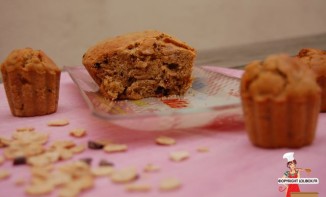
(316, 60)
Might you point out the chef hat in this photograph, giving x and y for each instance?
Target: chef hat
(289, 156)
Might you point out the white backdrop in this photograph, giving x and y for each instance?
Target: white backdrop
(64, 29)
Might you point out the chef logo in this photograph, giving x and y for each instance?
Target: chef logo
(291, 178)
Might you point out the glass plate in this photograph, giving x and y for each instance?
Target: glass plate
(213, 97)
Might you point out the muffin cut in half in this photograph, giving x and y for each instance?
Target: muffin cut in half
(281, 101)
(31, 80)
(316, 60)
(140, 65)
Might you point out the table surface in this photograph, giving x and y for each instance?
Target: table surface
(231, 167)
(240, 55)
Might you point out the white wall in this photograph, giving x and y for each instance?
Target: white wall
(64, 29)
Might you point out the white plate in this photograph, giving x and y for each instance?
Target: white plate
(213, 97)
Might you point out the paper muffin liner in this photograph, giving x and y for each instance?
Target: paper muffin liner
(278, 124)
(322, 84)
(32, 93)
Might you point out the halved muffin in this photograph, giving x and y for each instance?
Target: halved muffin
(140, 65)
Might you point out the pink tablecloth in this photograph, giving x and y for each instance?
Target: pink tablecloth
(232, 167)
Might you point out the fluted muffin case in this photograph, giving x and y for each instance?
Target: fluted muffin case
(31, 80)
(281, 102)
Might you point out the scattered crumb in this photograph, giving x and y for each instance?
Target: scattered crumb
(78, 149)
(25, 129)
(4, 174)
(151, 168)
(202, 149)
(4, 142)
(2, 160)
(20, 182)
(79, 132)
(58, 122)
(179, 155)
(41, 188)
(102, 171)
(169, 184)
(115, 148)
(124, 175)
(164, 140)
(62, 144)
(138, 187)
(104, 142)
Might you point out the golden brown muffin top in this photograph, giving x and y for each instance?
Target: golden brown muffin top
(315, 59)
(29, 60)
(276, 78)
(144, 42)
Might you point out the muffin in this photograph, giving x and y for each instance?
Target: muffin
(139, 65)
(281, 101)
(31, 80)
(316, 60)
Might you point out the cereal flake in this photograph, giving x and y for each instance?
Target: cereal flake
(138, 187)
(79, 132)
(124, 175)
(169, 184)
(179, 155)
(4, 174)
(164, 140)
(115, 148)
(151, 168)
(58, 122)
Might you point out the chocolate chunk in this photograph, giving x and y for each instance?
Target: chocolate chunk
(133, 58)
(104, 162)
(19, 161)
(131, 80)
(97, 65)
(95, 145)
(160, 91)
(173, 66)
(106, 60)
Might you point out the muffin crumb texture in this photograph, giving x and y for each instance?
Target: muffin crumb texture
(31, 80)
(140, 65)
(281, 101)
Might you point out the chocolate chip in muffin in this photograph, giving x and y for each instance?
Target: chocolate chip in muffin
(161, 91)
(173, 66)
(139, 63)
(131, 80)
(97, 65)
